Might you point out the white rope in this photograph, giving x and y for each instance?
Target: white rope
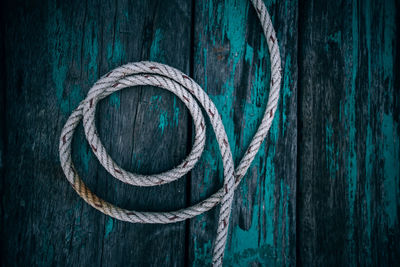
(163, 76)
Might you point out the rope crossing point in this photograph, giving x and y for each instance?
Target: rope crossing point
(166, 77)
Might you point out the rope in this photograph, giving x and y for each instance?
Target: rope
(166, 77)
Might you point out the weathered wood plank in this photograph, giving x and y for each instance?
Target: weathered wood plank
(66, 47)
(2, 125)
(346, 158)
(349, 134)
(232, 65)
(145, 146)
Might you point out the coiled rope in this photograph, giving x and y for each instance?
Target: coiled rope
(163, 76)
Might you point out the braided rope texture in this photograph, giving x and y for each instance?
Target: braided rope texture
(173, 80)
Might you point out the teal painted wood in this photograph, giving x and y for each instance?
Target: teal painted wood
(63, 49)
(3, 130)
(232, 65)
(349, 134)
(323, 190)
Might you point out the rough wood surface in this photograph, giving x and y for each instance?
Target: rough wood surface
(232, 65)
(349, 134)
(324, 189)
(67, 46)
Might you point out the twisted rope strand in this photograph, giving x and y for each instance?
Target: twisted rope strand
(166, 77)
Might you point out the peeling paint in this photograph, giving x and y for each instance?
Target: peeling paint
(163, 121)
(287, 92)
(249, 54)
(109, 227)
(60, 38)
(156, 53)
(391, 158)
(332, 155)
(175, 118)
(115, 56)
(349, 120)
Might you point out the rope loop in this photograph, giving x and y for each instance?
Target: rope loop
(188, 91)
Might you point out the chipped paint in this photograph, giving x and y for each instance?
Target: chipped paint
(257, 243)
(156, 53)
(175, 118)
(56, 28)
(163, 121)
(109, 227)
(369, 145)
(349, 122)
(287, 92)
(249, 53)
(115, 56)
(332, 155)
(391, 167)
(61, 36)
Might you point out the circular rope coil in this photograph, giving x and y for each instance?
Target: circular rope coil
(173, 80)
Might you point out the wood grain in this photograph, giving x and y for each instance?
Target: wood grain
(349, 134)
(67, 49)
(232, 65)
(324, 189)
(3, 131)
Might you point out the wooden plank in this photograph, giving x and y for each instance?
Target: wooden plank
(55, 51)
(349, 134)
(232, 65)
(346, 160)
(3, 125)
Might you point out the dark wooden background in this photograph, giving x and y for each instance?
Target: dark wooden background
(324, 190)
